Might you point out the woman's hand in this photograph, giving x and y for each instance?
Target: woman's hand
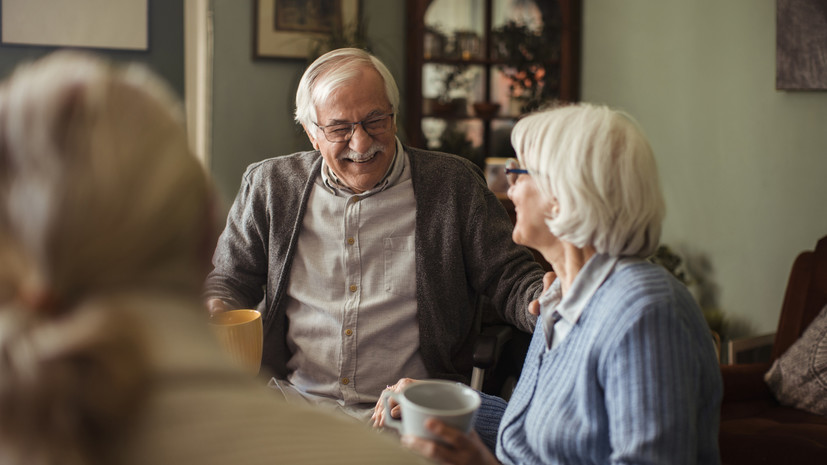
(378, 416)
(456, 447)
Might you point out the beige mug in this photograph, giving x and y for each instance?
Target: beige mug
(240, 332)
(455, 404)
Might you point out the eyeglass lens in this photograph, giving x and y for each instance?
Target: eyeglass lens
(344, 131)
(512, 171)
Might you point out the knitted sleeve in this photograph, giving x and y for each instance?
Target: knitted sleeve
(487, 421)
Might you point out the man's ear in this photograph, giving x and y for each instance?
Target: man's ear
(312, 139)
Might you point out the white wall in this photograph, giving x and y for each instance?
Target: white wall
(743, 166)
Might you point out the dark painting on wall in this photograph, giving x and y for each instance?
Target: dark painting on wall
(322, 16)
(801, 45)
(290, 28)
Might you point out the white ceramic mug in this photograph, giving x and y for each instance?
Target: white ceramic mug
(240, 332)
(453, 403)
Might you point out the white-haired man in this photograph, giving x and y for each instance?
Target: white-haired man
(369, 256)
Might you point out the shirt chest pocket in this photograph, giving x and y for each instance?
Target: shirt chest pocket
(400, 266)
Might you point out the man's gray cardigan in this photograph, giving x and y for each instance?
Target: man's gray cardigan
(463, 250)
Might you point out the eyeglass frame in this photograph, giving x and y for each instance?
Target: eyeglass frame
(513, 171)
(353, 127)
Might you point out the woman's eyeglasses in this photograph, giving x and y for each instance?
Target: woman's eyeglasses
(513, 171)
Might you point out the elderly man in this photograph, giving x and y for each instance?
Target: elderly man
(369, 256)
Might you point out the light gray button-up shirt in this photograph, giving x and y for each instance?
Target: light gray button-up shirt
(571, 306)
(352, 294)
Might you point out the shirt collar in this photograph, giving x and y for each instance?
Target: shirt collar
(585, 285)
(392, 175)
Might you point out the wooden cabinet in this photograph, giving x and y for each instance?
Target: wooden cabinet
(465, 55)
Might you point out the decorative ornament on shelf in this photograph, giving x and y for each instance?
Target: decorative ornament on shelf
(435, 43)
(467, 45)
(486, 110)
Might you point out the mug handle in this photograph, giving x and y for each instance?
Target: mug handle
(390, 422)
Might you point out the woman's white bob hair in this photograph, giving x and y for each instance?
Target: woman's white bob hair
(597, 165)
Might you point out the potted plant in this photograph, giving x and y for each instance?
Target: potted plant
(346, 35)
(454, 84)
(526, 57)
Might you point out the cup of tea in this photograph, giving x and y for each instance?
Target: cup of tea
(453, 403)
(241, 334)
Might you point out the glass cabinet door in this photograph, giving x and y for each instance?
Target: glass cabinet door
(474, 66)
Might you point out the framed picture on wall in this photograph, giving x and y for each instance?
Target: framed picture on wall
(290, 28)
(801, 45)
(112, 24)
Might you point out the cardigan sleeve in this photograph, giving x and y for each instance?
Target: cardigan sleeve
(240, 257)
(651, 380)
(487, 421)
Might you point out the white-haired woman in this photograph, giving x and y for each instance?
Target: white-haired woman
(105, 239)
(621, 367)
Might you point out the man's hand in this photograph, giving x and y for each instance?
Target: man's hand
(378, 416)
(534, 305)
(216, 305)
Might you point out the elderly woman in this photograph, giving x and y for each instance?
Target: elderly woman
(621, 367)
(105, 239)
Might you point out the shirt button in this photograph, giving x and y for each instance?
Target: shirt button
(349, 332)
(353, 288)
(345, 381)
(351, 240)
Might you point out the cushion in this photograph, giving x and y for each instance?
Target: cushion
(799, 377)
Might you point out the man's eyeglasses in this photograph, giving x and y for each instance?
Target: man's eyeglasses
(342, 132)
(512, 171)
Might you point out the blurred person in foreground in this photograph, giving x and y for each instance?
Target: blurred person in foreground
(370, 256)
(621, 367)
(105, 239)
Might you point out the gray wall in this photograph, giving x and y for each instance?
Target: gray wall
(253, 100)
(166, 46)
(743, 166)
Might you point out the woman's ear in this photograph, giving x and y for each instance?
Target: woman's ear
(555, 208)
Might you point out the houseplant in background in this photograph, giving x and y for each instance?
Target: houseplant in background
(454, 81)
(352, 34)
(527, 59)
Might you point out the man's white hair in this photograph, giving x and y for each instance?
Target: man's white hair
(332, 70)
